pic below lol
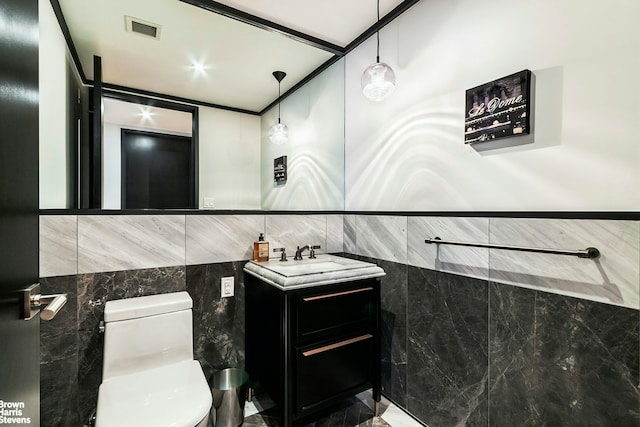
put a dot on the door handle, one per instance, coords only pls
(337, 294)
(32, 301)
(336, 345)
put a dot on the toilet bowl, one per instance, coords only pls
(149, 377)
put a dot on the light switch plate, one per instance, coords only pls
(207, 202)
(226, 287)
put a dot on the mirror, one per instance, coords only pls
(235, 157)
(148, 156)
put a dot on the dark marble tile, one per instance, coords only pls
(59, 393)
(351, 412)
(90, 346)
(557, 360)
(393, 301)
(95, 289)
(59, 336)
(218, 323)
(447, 350)
(59, 357)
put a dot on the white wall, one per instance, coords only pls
(407, 153)
(314, 115)
(53, 111)
(229, 151)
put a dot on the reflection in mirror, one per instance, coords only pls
(147, 156)
(235, 164)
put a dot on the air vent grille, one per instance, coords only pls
(142, 27)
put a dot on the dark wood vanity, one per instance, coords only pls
(313, 346)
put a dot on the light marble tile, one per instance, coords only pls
(126, 242)
(462, 260)
(349, 231)
(382, 237)
(614, 277)
(291, 231)
(222, 238)
(335, 233)
(58, 245)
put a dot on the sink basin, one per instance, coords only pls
(322, 270)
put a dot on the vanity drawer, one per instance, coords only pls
(329, 370)
(338, 310)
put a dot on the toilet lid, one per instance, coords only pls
(176, 395)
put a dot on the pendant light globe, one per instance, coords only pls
(378, 81)
(278, 132)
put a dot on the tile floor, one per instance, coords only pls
(357, 411)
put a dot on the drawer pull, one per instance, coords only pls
(337, 294)
(336, 345)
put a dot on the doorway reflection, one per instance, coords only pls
(121, 116)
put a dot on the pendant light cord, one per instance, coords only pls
(278, 102)
(378, 35)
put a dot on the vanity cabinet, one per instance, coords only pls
(312, 347)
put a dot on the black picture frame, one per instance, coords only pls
(280, 170)
(498, 109)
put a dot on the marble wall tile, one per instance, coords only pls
(58, 245)
(393, 301)
(218, 323)
(127, 242)
(59, 357)
(558, 360)
(291, 231)
(335, 234)
(612, 278)
(59, 394)
(447, 358)
(382, 237)
(222, 238)
(349, 231)
(467, 261)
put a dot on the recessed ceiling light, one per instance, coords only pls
(146, 114)
(199, 67)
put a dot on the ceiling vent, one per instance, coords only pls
(143, 28)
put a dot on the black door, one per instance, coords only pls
(157, 171)
(19, 339)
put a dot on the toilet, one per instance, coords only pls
(149, 376)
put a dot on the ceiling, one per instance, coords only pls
(214, 58)
(153, 118)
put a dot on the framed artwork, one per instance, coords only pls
(280, 170)
(498, 109)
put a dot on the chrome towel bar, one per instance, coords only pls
(590, 252)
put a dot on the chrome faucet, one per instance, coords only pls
(300, 250)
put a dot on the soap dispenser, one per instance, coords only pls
(261, 249)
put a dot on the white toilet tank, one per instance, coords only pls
(147, 332)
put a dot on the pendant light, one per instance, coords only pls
(378, 80)
(278, 132)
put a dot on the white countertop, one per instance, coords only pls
(323, 270)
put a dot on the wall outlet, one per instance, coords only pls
(207, 202)
(226, 287)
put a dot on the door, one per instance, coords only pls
(19, 339)
(157, 171)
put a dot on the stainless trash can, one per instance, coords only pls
(229, 389)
